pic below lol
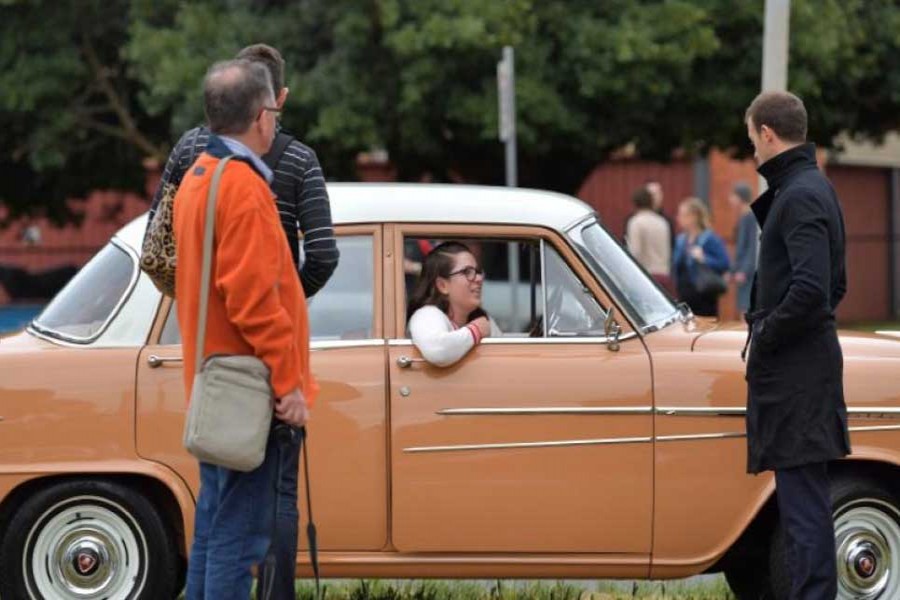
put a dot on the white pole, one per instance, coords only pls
(775, 51)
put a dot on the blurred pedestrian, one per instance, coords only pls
(649, 240)
(796, 416)
(700, 260)
(746, 235)
(654, 187)
(255, 307)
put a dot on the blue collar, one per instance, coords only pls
(221, 146)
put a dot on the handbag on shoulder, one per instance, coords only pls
(158, 249)
(231, 404)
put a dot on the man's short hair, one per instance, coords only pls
(641, 198)
(271, 59)
(782, 112)
(234, 91)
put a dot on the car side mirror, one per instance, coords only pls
(613, 330)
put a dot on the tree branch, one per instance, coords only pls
(129, 130)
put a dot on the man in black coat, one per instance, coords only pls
(796, 416)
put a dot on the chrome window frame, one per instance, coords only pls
(624, 307)
(53, 335)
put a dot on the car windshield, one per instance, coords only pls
(81, 311)
(625, 279)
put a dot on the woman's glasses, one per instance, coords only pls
(470, 273)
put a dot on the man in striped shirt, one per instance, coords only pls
(299, 185)
(302, 200)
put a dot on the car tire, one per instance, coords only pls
(867, 541)
(73, 537)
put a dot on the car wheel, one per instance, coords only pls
(86, 540)
(867, 541)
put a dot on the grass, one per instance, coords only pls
(871, 326)
(705, 588)
(374, 589)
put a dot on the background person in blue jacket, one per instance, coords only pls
(696, 248)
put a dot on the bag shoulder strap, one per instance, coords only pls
(279, 145)
(205, 276)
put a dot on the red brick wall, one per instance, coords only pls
(865, 198)
(609, 187)
(105, 212)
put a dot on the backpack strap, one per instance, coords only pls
(279, 145)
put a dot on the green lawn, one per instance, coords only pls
(706, 588)
(871, 326)
(702, 588)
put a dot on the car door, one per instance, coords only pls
(348, 461)
(528, 444)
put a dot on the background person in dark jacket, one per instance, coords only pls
(697, 247)
(796, 417)
(746, 245)
(302, 202)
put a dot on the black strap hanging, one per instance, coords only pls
(311, 526)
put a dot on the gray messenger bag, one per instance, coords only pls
(231, 400)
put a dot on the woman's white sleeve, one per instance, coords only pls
(440, 347)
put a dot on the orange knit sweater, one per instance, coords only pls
(256, 303)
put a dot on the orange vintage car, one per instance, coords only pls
(602, 436)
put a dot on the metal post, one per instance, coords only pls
(506, 87)
(775, 45)
(775, 51)
(506, 95)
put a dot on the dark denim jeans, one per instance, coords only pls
(283, 551)
(233, 527)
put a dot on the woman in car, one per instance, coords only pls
(444, 314)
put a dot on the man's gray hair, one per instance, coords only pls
(234, 91)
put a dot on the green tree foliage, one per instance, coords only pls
(90, 88)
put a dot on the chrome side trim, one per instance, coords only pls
(700, 436)
(514, 445)
(700, 411)
(875, 428)
(549, 410)
(332, 344)
(863, 412)
(729, 411)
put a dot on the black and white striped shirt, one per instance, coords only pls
(302, 202)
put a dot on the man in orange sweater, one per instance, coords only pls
(256, 306)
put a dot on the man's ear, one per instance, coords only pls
(282, 97)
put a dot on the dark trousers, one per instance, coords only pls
(282, 554)
(805, 507)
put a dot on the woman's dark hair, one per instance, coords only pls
(439, 263)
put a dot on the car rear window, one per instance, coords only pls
(83, 309)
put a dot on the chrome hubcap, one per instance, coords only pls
(85, 551)
(868, 550)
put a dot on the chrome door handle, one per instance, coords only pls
(405, 362)
(157, 361)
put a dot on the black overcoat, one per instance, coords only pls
(795, 409)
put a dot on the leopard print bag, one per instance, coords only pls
(158, 250)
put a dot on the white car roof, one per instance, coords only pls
(353, 203)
